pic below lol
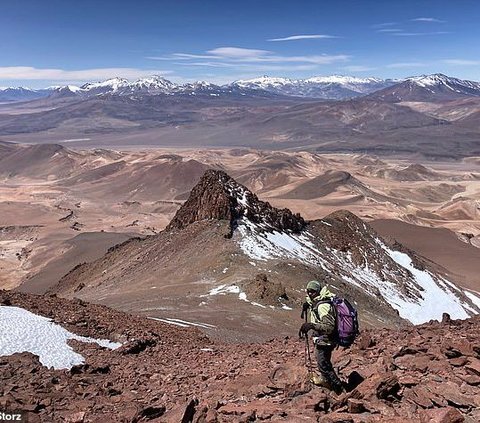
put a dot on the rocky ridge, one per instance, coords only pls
(225, 236)
(218, 196)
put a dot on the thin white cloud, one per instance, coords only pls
(209, 64)
(303, 37)
(434, 20)
(221, 53)
(390, 30)
(250, 67)
(418, 34)
(185, 56)
(462, 62)
(406, 65)
(31, 73)
(385, 24)
(244, 55)
(238, 53)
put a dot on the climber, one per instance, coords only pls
(320, 318)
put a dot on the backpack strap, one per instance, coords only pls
(335, 315)
(326, 301)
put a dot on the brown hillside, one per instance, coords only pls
(428, 373)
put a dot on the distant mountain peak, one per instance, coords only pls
(218, 196)
(112, 83)
(263, 81)
(434, 87)
(327, 87)
(342, 79)
(153, 81)
(439, 79)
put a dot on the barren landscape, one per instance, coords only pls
(234, 212)
(54, 200)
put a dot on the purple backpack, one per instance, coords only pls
(346, 320)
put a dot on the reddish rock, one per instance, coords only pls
(337, 418)
(364, 342)
(232, 384)
(419, 396)
(453, 348)
(136, 346)
(388, 387)
(408, 350)
(441, 415)
(409, 380)
(458, 362)
(446, 318)
(452, 394)
(355, 406)
(315, 401)
(473, 367)
(217, 196)
(418, 363)
(77, 417)
(472, 380)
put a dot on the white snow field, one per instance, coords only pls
(23, 331)
(424, 297)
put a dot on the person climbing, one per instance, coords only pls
(320, 318)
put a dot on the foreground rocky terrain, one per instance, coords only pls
(427, 373)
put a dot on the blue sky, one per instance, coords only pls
(65, 41)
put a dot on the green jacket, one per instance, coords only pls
(325, 322)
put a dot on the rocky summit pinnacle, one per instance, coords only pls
(218, 196)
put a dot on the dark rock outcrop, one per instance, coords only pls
(218, 196)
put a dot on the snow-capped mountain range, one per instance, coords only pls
(326, 87)
(426, 87)
(335, 87)
(12, 94)
(155, 85)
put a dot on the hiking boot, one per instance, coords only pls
(335, 383)
(337, 388)
(319, 380)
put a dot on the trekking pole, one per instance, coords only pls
(307, 343)
(307, 355)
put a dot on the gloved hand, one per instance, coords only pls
(305, 328)
(305, 308)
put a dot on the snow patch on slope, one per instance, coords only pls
(261, 244)
(419, 297)
(183, 323)
(474, 298)
(23, 331)
(435, 297)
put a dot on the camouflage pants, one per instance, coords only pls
(323, 354)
